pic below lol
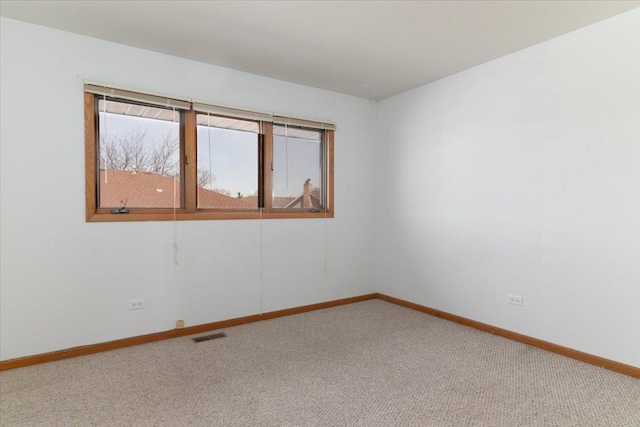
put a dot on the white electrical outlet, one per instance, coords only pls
(136, 304)
(515, 299)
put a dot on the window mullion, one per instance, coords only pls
(330, 136)
(92, 166)
(267, 187)
(261, 169)
(190, 160)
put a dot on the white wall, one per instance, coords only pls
(519, 176)
(522, 176)
(66, 283)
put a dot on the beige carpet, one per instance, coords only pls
(365, 364)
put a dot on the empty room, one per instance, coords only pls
(320, 213)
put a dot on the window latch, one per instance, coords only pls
(121, 209)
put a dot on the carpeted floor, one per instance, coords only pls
(366, 364)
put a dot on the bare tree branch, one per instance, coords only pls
(205, 178)
(137, 151)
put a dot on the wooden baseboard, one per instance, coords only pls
(535, 342)
(190, 330)
(174, 333)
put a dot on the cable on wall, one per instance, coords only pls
(260, 208)
(326, 202)
(286, 154)
(209, 144)
(325, 243)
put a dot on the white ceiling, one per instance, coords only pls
(371, 49)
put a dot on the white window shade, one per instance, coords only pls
(146, 98)
(222, 122)
(291, 121)
(186, 104)
(232, 112)
(136, 110)
(297, 132)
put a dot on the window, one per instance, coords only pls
(227, 163)
(298, 167)
(139, 149)
(155, 158)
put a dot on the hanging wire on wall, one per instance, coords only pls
(323, 195)
(286, 153)
(209, 144)
(261, 263)
(325, 242)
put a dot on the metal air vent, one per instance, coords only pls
(209, 337)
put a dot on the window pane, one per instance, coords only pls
(139, 156)
(227, 163)
(297, 168)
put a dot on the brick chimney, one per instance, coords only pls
(306, 194)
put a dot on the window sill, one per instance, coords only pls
(205, 215)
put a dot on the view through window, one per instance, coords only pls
(298, 159)
(227, 163)
(139, 152)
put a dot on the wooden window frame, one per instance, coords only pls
(188, 166)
